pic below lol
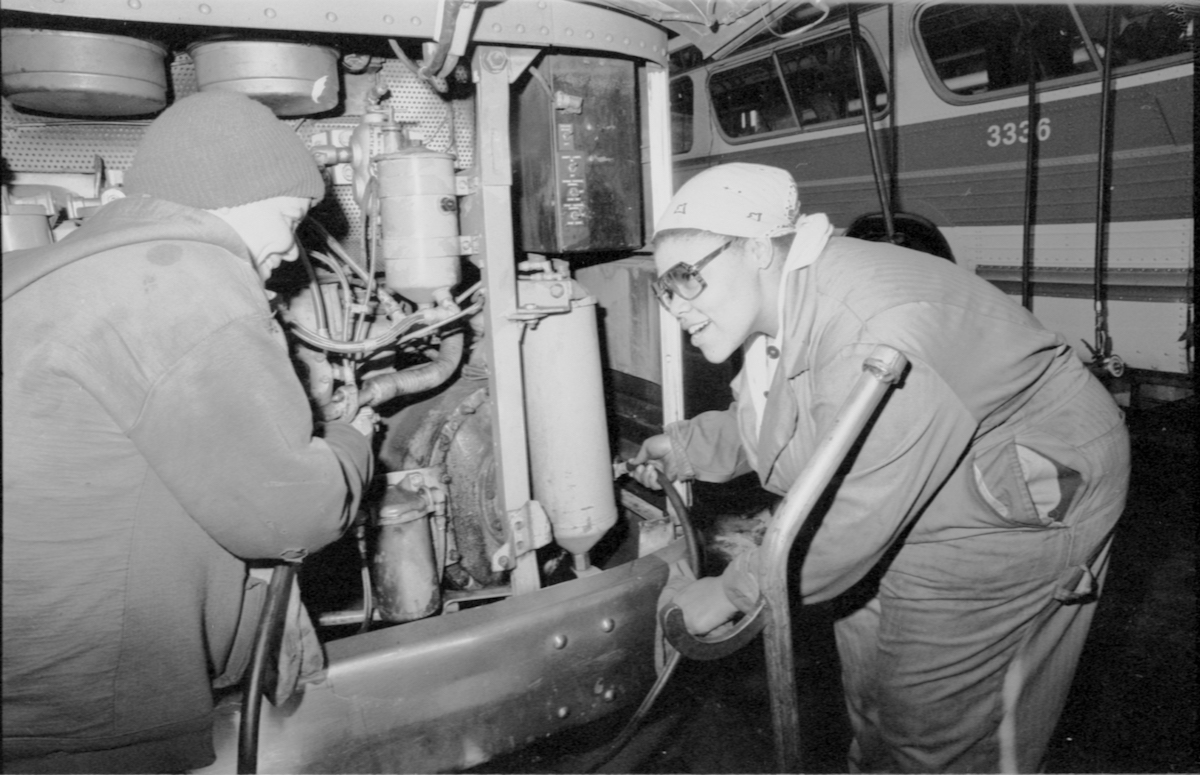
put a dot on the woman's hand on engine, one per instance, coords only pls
(364, 421)
(655, 458)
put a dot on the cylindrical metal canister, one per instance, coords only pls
(83, 73)
(24, 227)
(418, 212)
(404, 571)
(292, 79)
(570, 462)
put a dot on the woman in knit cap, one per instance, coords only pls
(156, 438)
(976, 516)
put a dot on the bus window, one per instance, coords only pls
(821, 80)
(749, 99)
(1143, 33)
(977, 49)
(682, 111)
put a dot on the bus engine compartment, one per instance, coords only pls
(497, 587)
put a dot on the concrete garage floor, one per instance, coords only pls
(1132, 707)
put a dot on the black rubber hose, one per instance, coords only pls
(415, 379)
(695, 559)
(266, 642)
(1031, 154)
(1103, 189)
(635, 721)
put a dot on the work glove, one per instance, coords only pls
(659, 455)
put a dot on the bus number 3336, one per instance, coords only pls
(1010, 133)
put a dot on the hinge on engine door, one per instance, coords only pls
(528, 529)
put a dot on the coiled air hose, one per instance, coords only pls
(635, 721)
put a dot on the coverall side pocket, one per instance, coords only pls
(1024, 487)
(254, 596)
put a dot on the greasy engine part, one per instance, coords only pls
(454, 430)
(406, 565)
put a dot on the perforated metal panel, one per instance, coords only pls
(36, 144)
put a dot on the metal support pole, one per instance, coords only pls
(880, 371)
(491, 211)
(860, 75)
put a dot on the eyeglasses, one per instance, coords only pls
(684, 279)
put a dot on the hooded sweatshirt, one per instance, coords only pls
(156, 437)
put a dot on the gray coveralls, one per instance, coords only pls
(998, 466)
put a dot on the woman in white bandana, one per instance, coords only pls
(986, 489)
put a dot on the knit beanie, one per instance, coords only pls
(219, 149)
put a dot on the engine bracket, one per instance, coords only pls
(528, 529)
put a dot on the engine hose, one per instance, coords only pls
(416, 379)
(635, 721)
(266, 641)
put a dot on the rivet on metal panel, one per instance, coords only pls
(589, 34)
(560, 641)
(570, 33)
(544, 30)
(331, 17)
(389, 19)
(204, 8)
(135, 4)
(496, 28)
(415, 21)
(608, 625)
(521, 29)
(564, 711)
(269, 13)
(608, 37)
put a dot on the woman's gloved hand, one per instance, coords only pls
(705, 606)
(657, 456)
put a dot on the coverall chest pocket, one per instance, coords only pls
(1025, 487)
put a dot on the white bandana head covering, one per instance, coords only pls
(748, 200)
(737, 200)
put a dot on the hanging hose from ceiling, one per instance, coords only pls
(1103, 359)
(1031, 154)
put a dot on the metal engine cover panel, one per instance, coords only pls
(454, 691)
